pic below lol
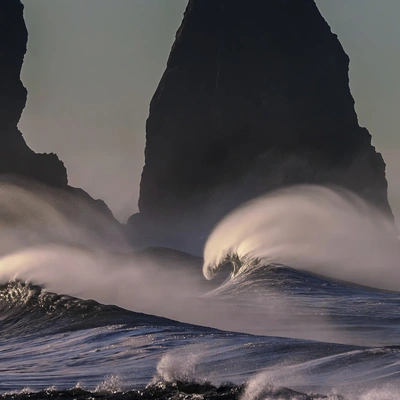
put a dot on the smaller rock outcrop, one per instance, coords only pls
(17, 161)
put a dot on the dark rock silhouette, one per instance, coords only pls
(15, 156)
(17, 160)
(255, 97)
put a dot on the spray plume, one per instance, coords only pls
(324, 230)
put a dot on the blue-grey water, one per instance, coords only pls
(81, 320)
(60, 342)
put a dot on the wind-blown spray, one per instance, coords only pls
(85, 256)
(324, 230)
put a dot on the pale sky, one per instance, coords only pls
(93, 65)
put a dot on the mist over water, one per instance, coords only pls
(57, 241)
(32, 215)
(87, 258)
(324, 230)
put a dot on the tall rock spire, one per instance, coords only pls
(255, 97)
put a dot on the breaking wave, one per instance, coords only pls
(53, 338)
(24, 306)
(323, 230)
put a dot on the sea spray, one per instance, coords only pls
(324, 230)
(112, 384)
(175, 366)
(73, 259)
(85, 256)
(43, 246)
(384, 392)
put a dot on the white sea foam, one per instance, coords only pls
(111, 384)
(178, 366)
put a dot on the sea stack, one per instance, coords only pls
(16, 158)
(255, 97)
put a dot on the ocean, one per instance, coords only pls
(304, 304)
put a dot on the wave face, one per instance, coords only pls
(56, 345)
(84, 316)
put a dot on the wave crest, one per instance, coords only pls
(324, 230)
(237, 263)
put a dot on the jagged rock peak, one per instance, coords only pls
(255, 96)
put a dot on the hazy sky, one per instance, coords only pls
(93, 65)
